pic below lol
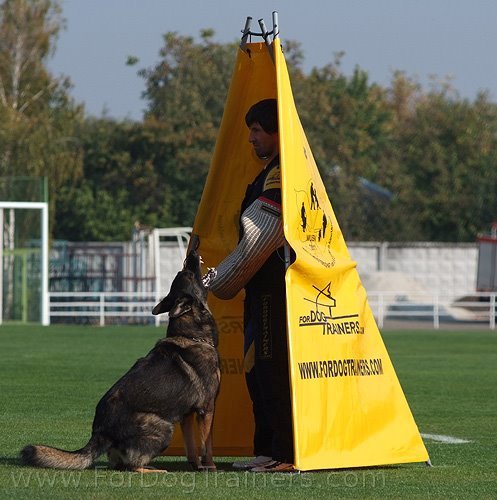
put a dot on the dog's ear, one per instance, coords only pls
(181, 306)
(163, 306)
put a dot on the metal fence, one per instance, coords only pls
(435, 308)
(104, 308)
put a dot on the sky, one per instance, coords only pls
(423, 38)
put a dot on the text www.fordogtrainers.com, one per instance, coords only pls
(101, 479)
(329, 368)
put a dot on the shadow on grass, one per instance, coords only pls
(178, 465)
(183, 466)
(169, 465)
(12, 461)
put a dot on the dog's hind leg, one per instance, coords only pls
(115, 459)
(205, 421)
(138, 455)
(141, 449)
(188, 430)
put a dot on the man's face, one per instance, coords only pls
(265, 145)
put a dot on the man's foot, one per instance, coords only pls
(207, 467)
(254, 462)
(274, 466)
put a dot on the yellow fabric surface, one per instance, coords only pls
(234, 165)
(348, 406)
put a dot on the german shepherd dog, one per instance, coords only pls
(176, 381)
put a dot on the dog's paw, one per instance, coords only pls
(147, 470)
(194, 465)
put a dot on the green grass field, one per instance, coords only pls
(51, 379)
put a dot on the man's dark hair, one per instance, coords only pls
(265, 113)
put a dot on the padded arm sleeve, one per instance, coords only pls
(262, 235)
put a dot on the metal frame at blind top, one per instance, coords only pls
(267, 36)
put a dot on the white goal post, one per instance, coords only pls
(167, 264)
(29, 205)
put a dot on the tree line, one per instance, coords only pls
(400, 162)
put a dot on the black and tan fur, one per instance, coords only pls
(177, 381)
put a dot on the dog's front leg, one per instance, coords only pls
(188, 430)
(205, 422)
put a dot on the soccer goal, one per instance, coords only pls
(24, 262)
(168, 247)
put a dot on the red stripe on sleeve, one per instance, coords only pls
(270, 202)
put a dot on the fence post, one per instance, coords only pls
(102, 309)
(492, 311)
(436, 312)
(380, 310)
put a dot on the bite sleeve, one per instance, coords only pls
(262, 235)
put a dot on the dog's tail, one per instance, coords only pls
(46, 456)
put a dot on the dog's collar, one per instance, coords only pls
(193, 339)
(205, 341)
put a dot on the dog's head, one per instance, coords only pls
(186, 287)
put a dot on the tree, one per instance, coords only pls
(39, 120)
(447, 147)
(119, 185)
(348, 123)
(434, 152)
(186, 91)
